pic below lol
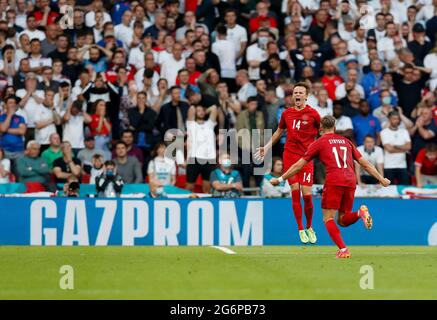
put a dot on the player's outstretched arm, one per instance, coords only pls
(295, 168)
(374, 172)
(261, 151)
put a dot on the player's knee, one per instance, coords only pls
(328, 216)
(340, 221)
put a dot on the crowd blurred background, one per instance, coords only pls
(88, 95)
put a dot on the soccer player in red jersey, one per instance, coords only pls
(302, 125)
(337, 153)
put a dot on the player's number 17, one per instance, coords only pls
(337, 158)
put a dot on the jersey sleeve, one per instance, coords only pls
(419, 159)
(282, 124)
(312, 151)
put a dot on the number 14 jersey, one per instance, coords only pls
(302, 128)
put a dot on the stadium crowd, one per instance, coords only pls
(91, 95)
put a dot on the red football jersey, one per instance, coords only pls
(337, 153)
(427, 166)
(331, 85)
(302, 128)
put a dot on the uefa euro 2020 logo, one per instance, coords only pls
(66, 21)
(367, 17)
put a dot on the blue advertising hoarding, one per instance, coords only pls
(88, 221)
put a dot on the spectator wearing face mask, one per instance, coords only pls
(386, 107)
(225, 181)
(109, 184)
(256, 53)
(161, 171)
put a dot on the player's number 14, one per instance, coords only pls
(337, 158)
(296, 124)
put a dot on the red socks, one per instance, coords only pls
(349, 218)
(297, 208)
(334, 233)
(308, 208)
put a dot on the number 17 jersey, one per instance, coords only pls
(302, 128)
(337, 153)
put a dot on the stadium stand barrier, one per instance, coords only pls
(244, 222)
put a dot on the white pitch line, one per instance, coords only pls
(328, 253)
(224, 249)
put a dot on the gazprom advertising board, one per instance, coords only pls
(174, 222)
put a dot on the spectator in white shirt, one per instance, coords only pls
(236, 33)
(9, 64)
(97, 167)
(5, 167)
(391, 42)
(348, 32)
(225, 50)
(21, 10)
(32, 30)
(46, 119)
(74, 119)
(201, 144)
(31, 98)
(98, 27)
(123, 31)
(161, 171)
(396, 142)
(247, 89)
(430, 62)
(257, 53)
(358, 45)
(350, 84)
(172, 65)
(324, 104)
(90, 17)
(36, 59)
(136, 55)
(375, 155)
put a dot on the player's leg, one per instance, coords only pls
(306, 181)
(297, 210)
(288, 160)
(309, 209)
(331, 200)
(346, 217)
(334, 232)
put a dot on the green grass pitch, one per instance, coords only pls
(281, 272)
